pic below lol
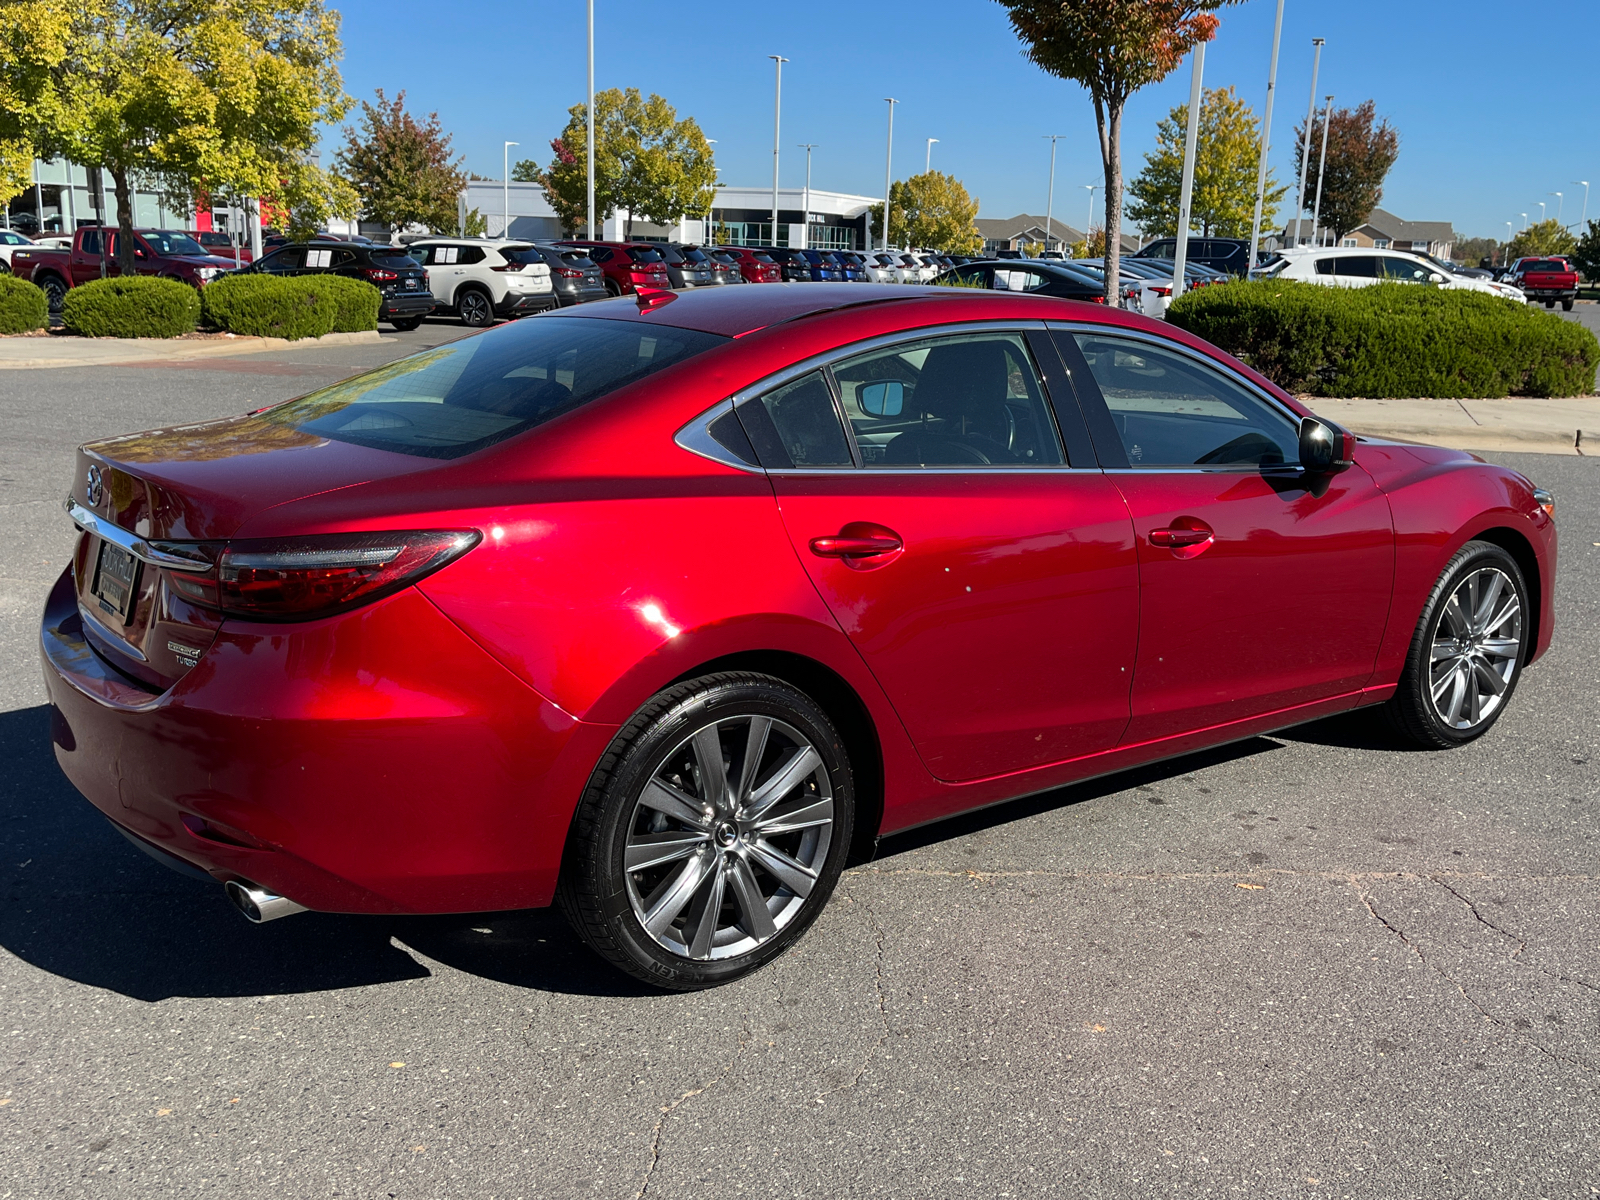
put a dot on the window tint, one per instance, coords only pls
(966, 401)
(1160, 250)
(1324, 265)
(396, 261)
(600, 254)
(1405, 270)
(424, 255)
(1172, 411)
(90, 242)
(469, 394)
(1543, 266)
(644, 256)
(524, 255)
(1362, 266)
(165, 242)
(805, 424)
(290, 258)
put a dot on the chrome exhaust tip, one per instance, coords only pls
(257, 904)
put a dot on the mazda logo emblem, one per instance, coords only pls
(94, 488)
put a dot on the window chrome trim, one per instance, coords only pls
(972, 470)
(695, 437)
(157, 554)
(104, 632)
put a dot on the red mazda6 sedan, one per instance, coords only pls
(662, 607)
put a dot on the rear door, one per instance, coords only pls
(987, 579)
(1259, 590)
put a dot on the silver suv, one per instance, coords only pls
(480, 280)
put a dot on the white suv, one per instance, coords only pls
(1361, 267)
(480, 280)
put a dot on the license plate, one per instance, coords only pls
(114, 573)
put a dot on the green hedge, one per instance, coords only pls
(22, 306)
(138, 306)
(1392, 340)
(293, 307)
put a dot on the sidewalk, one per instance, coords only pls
(1521, 425)
(25, 353)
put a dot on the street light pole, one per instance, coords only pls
(1541, 211)
(777, 113)
(1305, 141)
(1266, 142)
(1322, 164)
(505, 188)
(1583, 221)
(1524, 221)
(1509, 237)
(706, 232)
(888, 173)
(1092, 187)
(805, 217)
(1186, 191)
(1559, 203)
(1050, 196)
(589, 132)
(928, 162)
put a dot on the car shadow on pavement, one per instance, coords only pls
(81, 903)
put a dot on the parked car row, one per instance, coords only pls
(1362, 267)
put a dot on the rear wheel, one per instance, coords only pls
(55, 292)
(613, 288)
(712, 832)
(1467, 653)
(1566, 306)
(475, 308)
(1549, 303)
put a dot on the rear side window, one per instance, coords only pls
(464, 396)
(423, 254)
(797, 425)
(1360, 266)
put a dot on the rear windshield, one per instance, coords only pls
(644, 256)
(521, 254)
(393, 260)
(695, 256)
(1543, 266)
(762, 256)
(576, 258)
(469, 394)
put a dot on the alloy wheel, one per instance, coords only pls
(475, 309)
(728, 837)
(1477, 644)
(55, 294)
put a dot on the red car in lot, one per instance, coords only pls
(661, 608)
(756, 265)
(627, 266)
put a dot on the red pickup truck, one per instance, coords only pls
(165, 252)
(1548, 279)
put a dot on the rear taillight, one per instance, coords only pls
(379, 275)
(296, 579)
(569, 272)
(506, 267)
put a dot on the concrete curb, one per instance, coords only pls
(18, 354)
(1568, 425)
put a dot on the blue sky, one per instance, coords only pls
(1482, 139)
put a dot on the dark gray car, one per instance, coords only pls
(688, 266)
(574, 275)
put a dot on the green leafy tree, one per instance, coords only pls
(190, 96)
(1545, 237)
(401, 168)
(474, 226)
(646, 161)
(1361, 149)
(1091, 246)
(931, 211)
(1113, 48)
(1471, 251)
(1586, 254)
(1227, 150)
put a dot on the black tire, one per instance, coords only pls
(1566, 306)
(406, 324)
(55, 293)
(613, 288)
(1549, 303)
(475, 308)
(1412, 712)
(603, 901)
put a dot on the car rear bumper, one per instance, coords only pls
(407, 304)
(517, 304)
(375, 762)
(581, 295)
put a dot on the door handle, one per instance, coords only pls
(1174, 538)
(840, 545)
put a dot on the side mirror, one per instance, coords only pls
(1325, 449)
(1435, 277)
(884, 399)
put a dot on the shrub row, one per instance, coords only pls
(1392, 340)
(295, 306)
(22, 306)
(135, 306)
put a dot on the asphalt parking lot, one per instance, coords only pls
(1307, 964)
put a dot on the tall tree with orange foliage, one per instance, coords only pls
(1113, 48)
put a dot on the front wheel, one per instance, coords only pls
(55, 293)
(712, 832)
(1467, 653)
(406, 324)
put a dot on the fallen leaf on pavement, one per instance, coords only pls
(1252, 887)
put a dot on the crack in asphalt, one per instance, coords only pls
(668, 1109)
(1522, 943)
(1552, 1055)
(883, 1013)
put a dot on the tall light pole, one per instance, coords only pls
(1559, 203)
(1186, 191)
(1541, 211)
(1305, 141)
(505, 188)
(777, 113)
(1524, 220)
(1509, 236)
(927, 164)
(589, 133)
(888, 172)
(805, 217)
(1583, 221)
(706, 239)
(1322, 164)
(1092, 188)
(1266, 142)
(1050, 196)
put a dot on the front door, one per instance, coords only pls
(1259, 590)
(990, 586)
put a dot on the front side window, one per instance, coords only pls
(971, 400)
(1173, 411)
(1405, 270)
(466, 395)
